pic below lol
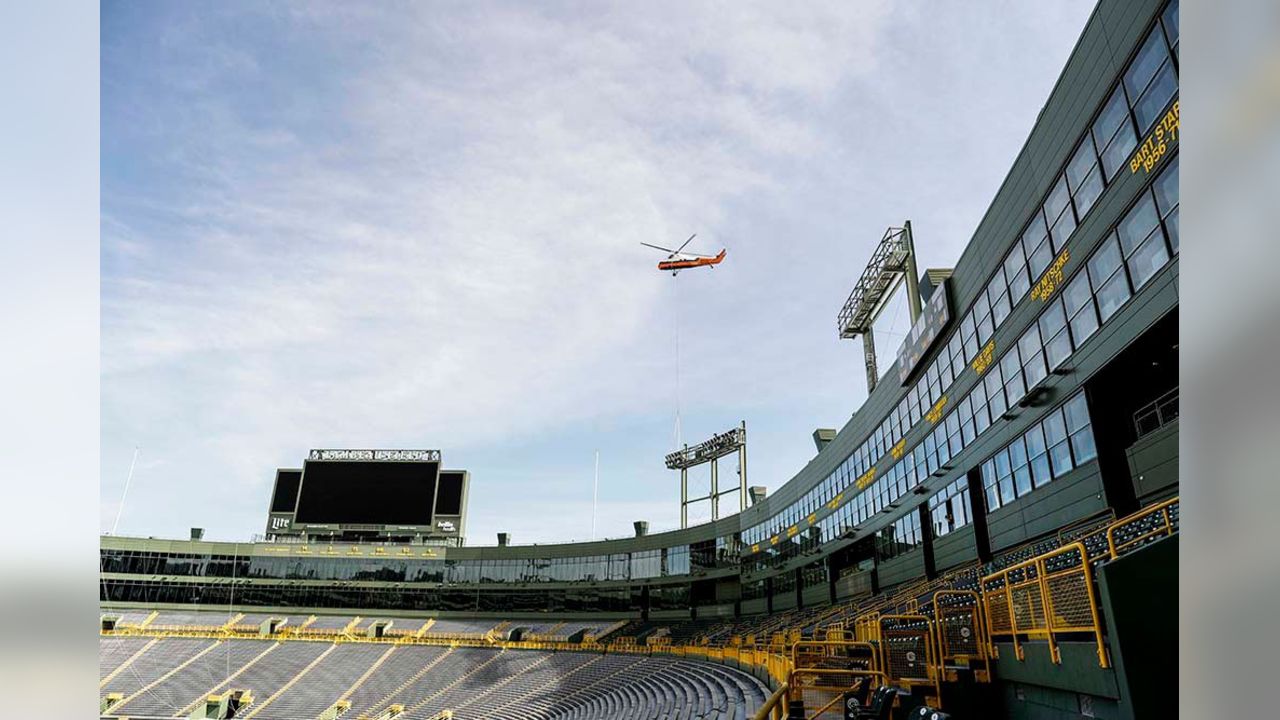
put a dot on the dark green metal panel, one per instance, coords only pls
(1139, 597)
(1153, 462)
(1079, 671)
(905, 569)
(1033, 702)
(954, 548)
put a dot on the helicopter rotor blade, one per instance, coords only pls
(686, 242)
(659, 247)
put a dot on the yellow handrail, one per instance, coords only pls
(1165, 528)
(1044, 603)
(773, 708)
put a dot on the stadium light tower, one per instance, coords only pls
(710, 451)
(893, 261)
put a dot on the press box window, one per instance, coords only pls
(1142, 241)
(1107, 275)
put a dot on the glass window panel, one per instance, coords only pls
(981, 306)
(1052, 319)
(1034, 439)
(1112, 295)
(1082, 164)
(995, 396)
(1138, 223)
(969, 334)
(1060, 458)
(1007, 493)
(985, 329)
(1104, 262)
(1088, 192)
(1057, 349)
(1017, 453)
(1029, 344)
(1063, 229)
(1171, 224)
(1083, 324)
(1077, 293)
(1015, 273)
(1166, 190)
(1035, 232)
(1170, 19)
(1033, 368)
(1055, 429)
(1040, 473)
(1082, 446)
(1151, 105)
(966, 421)
(1039, 259)
(1145, 64)
(981, 420)
(1022, 480)
(1002, 463)
(1010, 366)
(1166, 187)
(1005, 474)
(1058, 200)
(999, 299)
(1148, 259)
(1076, 412)
(1114, 114)
(1116, 154)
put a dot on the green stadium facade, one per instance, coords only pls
(1048, 404)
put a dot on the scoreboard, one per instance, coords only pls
(369, 495)
(928, 328)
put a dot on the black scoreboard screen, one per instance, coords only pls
(932, 321)
(449, 499)
(285, 496)
(364, 492)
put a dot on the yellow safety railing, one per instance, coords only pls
(866, 627)
(821, 690)
(1045, 597)
(1160, 518)
(775, 708)
(962, 632)
(909, 651)
(848, 654)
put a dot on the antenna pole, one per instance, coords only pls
(595, 496)
(125, 494)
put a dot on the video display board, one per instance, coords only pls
(928, 328)
(367, 493)
(285, 496)
(449, 496)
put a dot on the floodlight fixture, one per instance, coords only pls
(892, 263)
(710, 451)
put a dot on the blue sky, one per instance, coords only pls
(418, 225)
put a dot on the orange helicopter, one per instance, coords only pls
(679, 260)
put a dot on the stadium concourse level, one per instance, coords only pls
(902, 651)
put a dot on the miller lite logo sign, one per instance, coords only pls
(446, 526)
(279, 523)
